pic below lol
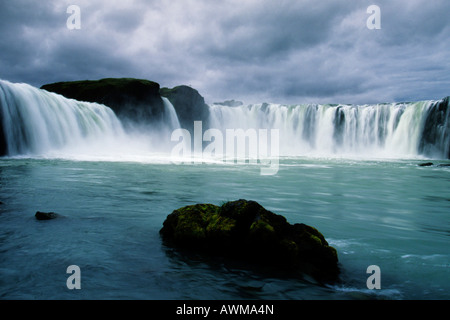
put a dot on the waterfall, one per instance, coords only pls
(397, 130)
(171, 115)
(36, 121)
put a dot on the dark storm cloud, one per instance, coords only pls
(262, 36)
(37, 47)
(275, 51)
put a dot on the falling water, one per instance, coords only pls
(382, 130)
(35, 121)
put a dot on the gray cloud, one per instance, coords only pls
(275, 51)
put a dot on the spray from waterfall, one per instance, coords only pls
(34, 122)
(394, 130)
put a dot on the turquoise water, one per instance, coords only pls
(393, 214)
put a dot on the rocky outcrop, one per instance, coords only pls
(245, 230)
(189, 105)
(430, 164)
(425, 164)
(46, 215)
(339, 126)
(137, 100)
(131, 99)
(436, 131)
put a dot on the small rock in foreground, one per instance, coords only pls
(46, 215)
(245, 230)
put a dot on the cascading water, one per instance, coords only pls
(172, 121)
(37, 122)
(383, 130)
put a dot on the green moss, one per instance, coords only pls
(190, 222)
(189, 230)
(316, 239)
(261, 226)
(218, 225)
(199, 213)
(244, 229)
(165, 92)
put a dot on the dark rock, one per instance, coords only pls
(426, 164)
(3, 144)
(46, 215)
(137, 100)
(444, 165)
(435, 139)
(131, 99)
(339, 126)
(245, 230)
(189, 105)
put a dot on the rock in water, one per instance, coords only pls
(46, 215)
(245, 230)
(425, 164)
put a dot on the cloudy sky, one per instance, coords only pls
(284, 51)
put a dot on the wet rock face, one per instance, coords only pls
(46, 215)
(245, 230)
(435, 138)
(190, 106)
(131, 99)
(137, 100)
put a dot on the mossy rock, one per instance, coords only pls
(245, 230)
